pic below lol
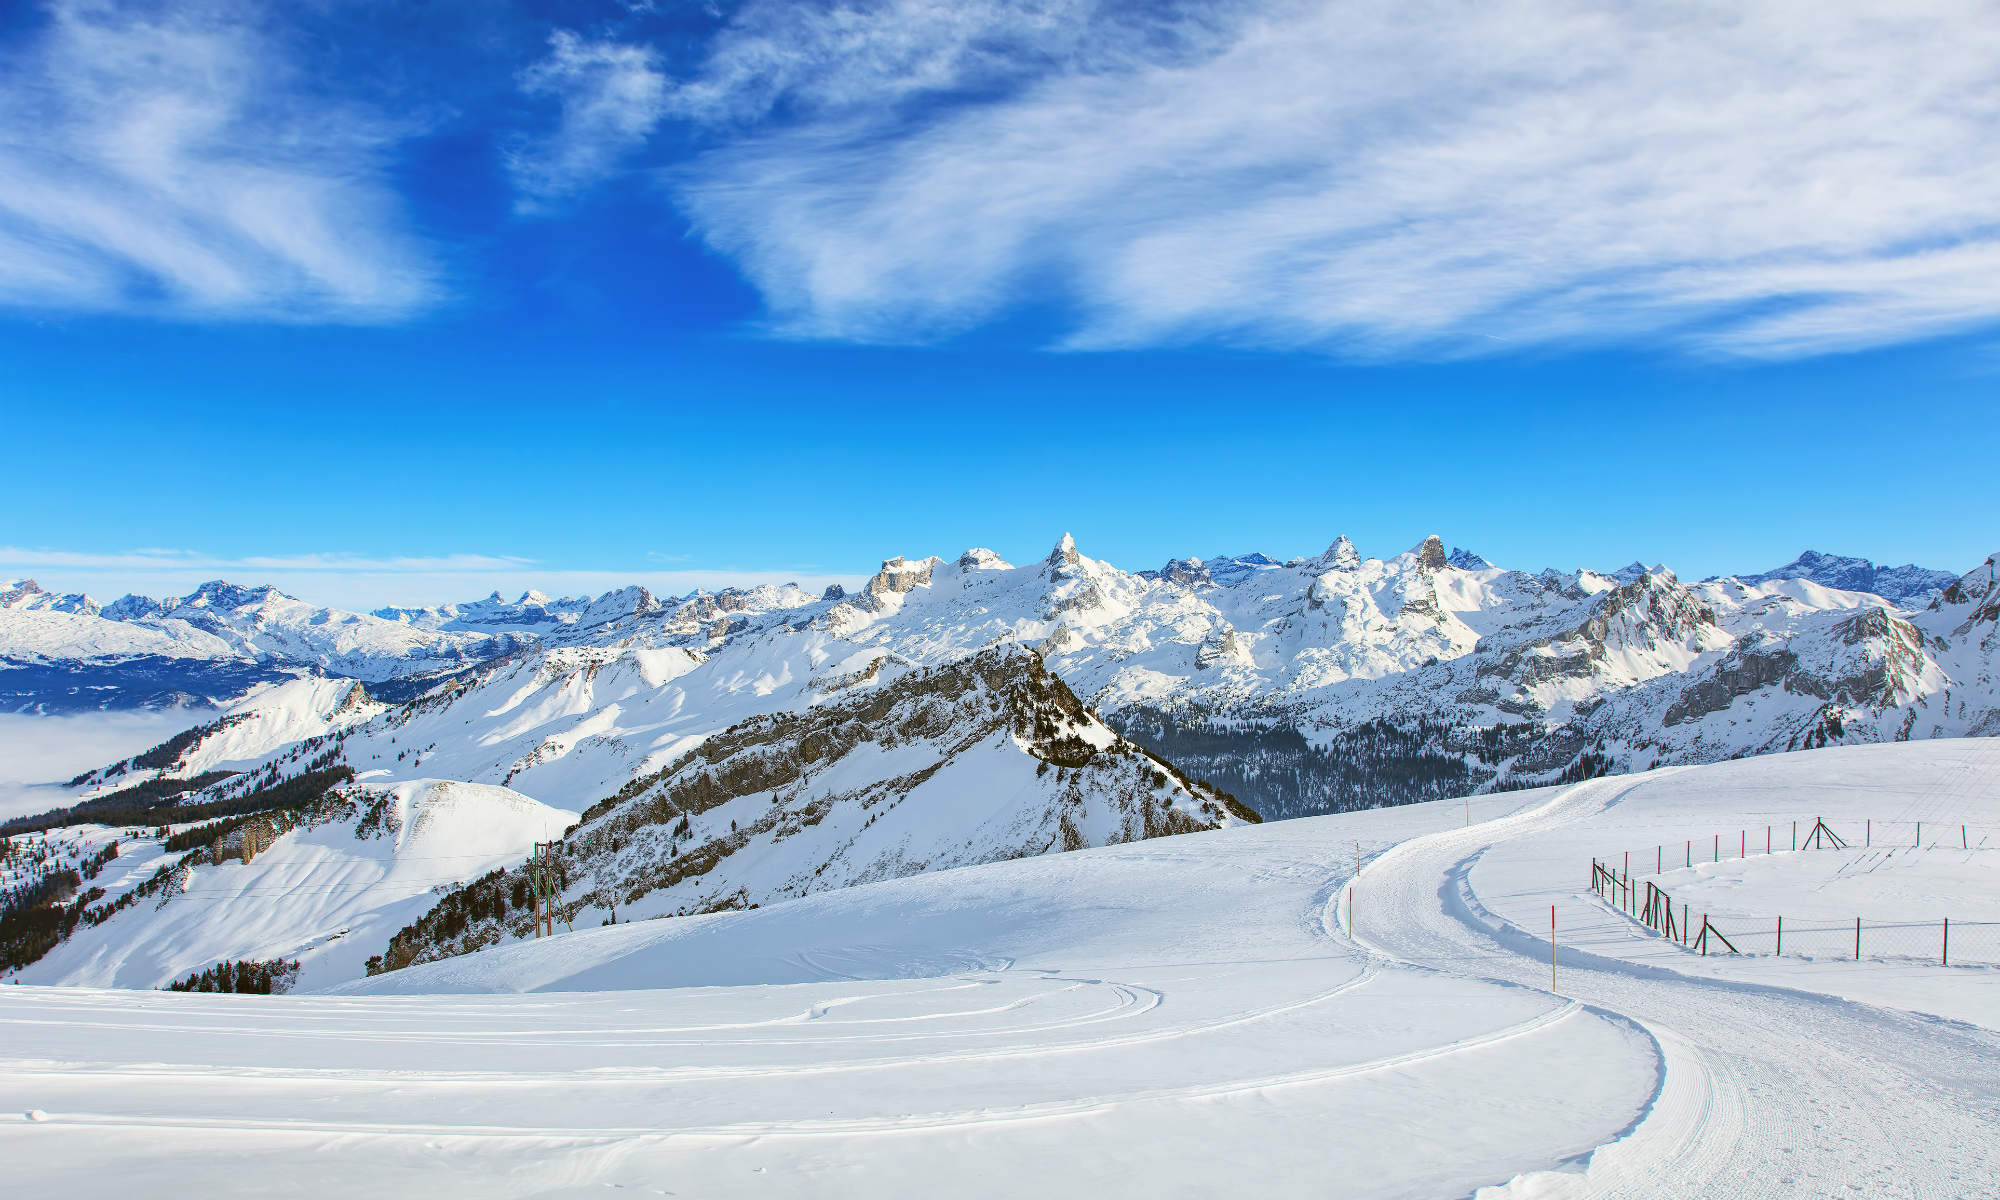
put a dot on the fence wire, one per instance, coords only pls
(1619, 880)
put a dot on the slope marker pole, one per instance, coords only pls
(1944, 956)
(1552, 947)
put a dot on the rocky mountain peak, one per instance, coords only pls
(1187, 572)
(1341, 554)
(979, 558)
(897, 577)
(1065, 553)
(1430, 554)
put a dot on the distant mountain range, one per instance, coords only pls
(66, 652)
(1908, 583)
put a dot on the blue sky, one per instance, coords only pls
(400, 303)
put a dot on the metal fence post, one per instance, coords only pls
(1944, 955)
(1795, 835)
(1857, 939)
(1781, 938)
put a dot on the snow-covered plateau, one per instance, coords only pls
(1236, 1010)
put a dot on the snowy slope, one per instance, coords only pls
(325, 893)
(1223, 1013)
(913, 771)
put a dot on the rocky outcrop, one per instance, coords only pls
(898, 577)
(1744, 670)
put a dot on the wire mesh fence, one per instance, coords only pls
(1942, 941)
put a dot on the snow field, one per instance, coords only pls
(1180, 1017)
(1170, 1017)
(325, 895)
(1819, 892)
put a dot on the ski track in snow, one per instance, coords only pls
(1186, 1017)
(1767, 1091)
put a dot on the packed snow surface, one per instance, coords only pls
(1232, 1012)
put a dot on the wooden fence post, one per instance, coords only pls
(1781, 938)
(1857, 939)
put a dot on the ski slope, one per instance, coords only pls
(1187, 1016)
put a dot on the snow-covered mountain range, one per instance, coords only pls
(67, 652)
(732, 748)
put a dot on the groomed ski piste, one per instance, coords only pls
(1226, 1013)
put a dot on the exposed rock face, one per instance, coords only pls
(1745, 670)
(1064, 555)
(1430, 554)
(1188, 572)
(898, 577)
(833, 592)
(1220, 649)
(979, 558)
(1466, 560)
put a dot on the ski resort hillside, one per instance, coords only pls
(1102, 1020)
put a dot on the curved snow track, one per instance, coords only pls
(1185, 1017)
(1766, 1091)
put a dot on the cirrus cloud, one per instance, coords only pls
(1373, 178)
(166, 160)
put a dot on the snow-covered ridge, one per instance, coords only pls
(1523, 676)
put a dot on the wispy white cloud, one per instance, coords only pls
(364, 582)
(609, 95)
(165, 159)
(1372, 177)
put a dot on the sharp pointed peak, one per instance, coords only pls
(1341, 553)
